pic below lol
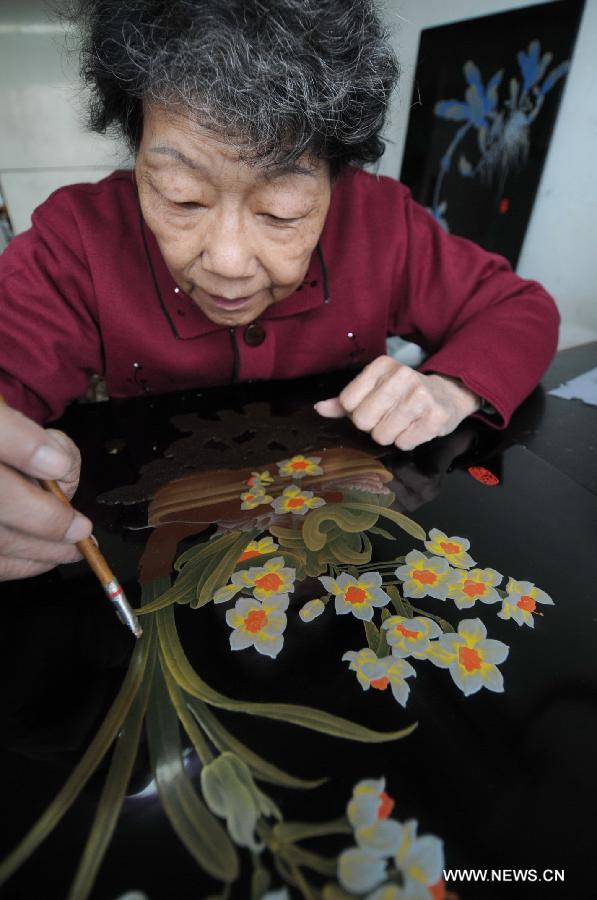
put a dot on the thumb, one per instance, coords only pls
(330, 409)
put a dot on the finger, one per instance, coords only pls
(389, 394)
(70, 480)
(25, 446)
(26, 508)
(330, 409)
(366, 381)
(416, 434)
(20, 546)
(11, 569)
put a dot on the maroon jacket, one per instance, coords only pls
(85, 291)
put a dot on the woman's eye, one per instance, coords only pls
(188, 204)
(280, 220)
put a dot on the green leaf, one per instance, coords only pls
(300, 857)
(218, 570)
(383, 533)
(187, 721)
(314, 719)
(409, 525)
(185, 586)
(372, 634)
(224, 741)
(334, 892)
(350, 517)
(199, 830)
(291, 832)
(91, 758)
(119, 773)
(402, 606)
(260, 881)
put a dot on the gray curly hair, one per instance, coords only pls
(278, 77)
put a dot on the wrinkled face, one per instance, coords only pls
(235, 237)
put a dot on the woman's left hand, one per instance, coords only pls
(398, 405)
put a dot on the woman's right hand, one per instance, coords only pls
(37, 531)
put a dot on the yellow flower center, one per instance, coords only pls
(255, 621)
(469, 659)
(407, 634)
(355, 595)
(269, 582)
(248, 554)
(386, 805)
(425, 576)
(473, 588)
(447, 547)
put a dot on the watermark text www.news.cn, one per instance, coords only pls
(453, 876)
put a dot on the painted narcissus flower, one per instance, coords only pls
(255, 497)
(368, 812)
(454, 549)
(424, 576)
(470, 657)
(521, 602)
(466, 587)
(358, 596)
(273, 579)
(259, 625)
(297, 502)
(259, 479)
(410, 637)
(300, 465)
(311, 610)
(258, 548)
(381, 672)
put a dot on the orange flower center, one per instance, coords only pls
(469, 659)
(447, 547)
(386, 805)
(269, 582)
(248, 554)
(380, 684)
(295, 502)
(527, 603)
(355, 595)
(472, 588)
(425, 576)
(301, 464)
(407, 633)
(255, 621)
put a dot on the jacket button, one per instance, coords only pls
(254, 334)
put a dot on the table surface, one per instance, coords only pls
(506, 780)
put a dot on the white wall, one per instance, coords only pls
(560, 249)
(43, 143)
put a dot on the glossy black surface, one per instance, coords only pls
(506, 780)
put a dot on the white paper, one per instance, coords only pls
(583, 387)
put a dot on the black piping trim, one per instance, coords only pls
(324, 275)
(236, 355)
(155, 280)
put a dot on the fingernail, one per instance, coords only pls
(78, 530)
(47, 462)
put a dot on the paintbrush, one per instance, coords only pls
(89, 549)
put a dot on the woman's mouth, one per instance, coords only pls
(230, 303)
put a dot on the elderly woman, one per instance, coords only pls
(246, 244)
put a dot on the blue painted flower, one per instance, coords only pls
(479, 102)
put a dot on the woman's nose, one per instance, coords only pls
(229, 247)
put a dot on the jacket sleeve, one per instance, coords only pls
(476, 319)
(49, 337)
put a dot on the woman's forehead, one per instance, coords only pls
(171, 140)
